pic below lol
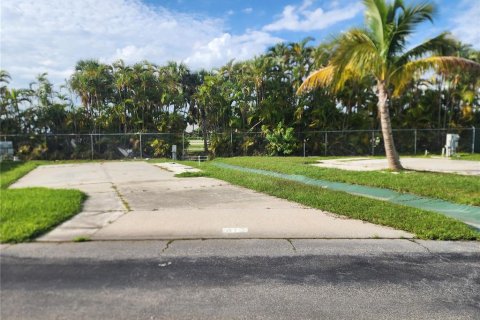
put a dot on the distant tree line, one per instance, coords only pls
(244, 96)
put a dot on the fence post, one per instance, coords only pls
(415, 143)
(231, 143)
(473, 139)
(372, 143)
(326, 141)
(141, 151)
(183, 145)
(91, 144)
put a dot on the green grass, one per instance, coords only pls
(82, 239)
(449, 187)
(468, 156)
(195, 145)
(424, 224)
(191, 174)
(26, 213)
(11, 171)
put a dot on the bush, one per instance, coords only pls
(281, 140)
(220, 145)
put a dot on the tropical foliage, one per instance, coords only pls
(258, 94)
(378, 53)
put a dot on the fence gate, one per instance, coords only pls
(194, 145)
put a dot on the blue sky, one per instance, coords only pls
(52, 35)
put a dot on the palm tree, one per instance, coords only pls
(378, 52)
(14, 98)
(4, 81)
(93, 82)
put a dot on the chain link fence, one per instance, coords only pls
(227, 144)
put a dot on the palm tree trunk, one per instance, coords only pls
(390, 151)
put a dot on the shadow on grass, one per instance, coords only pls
(8, 165)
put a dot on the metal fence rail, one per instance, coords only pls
(156, 145)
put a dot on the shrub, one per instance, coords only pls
(281, 140)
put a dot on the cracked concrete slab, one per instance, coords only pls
(165, 207)
(288, 222)
(103, 201)
(103, 205)
(450, 246)
(93, 219)
(153, 249)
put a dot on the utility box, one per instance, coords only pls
(6, 150)
(451, 144)
(174, 152)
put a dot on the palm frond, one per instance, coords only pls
(393, 10)
(320, 78)
(356, 50)
(404, 23)
(354, 57)
(443, 44)
(442, 65)
(375, 16)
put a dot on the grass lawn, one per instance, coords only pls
(450, 187)
(468, 156)
(12, 171)
(29, 212)
(424, 224)
(195, 145)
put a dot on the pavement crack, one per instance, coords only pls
(429, 251)
(421, 245)
(167, 246)
(124, 202)
(291, 243)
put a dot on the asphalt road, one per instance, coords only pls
(322, 279)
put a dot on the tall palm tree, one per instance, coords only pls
(15, 99)
(378, 52)
(4, 81)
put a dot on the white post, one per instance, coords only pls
(372, 143)
(473, 139)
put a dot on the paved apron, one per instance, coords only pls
(138, 200)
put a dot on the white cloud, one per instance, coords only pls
(52, 35)
(466, 24)
(306, 18)
(247, 10)
(227, 47)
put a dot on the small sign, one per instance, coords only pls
(235, 230)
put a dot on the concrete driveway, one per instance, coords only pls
(470, 168)
(138, 200)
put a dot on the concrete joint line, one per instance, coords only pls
(122, 199)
